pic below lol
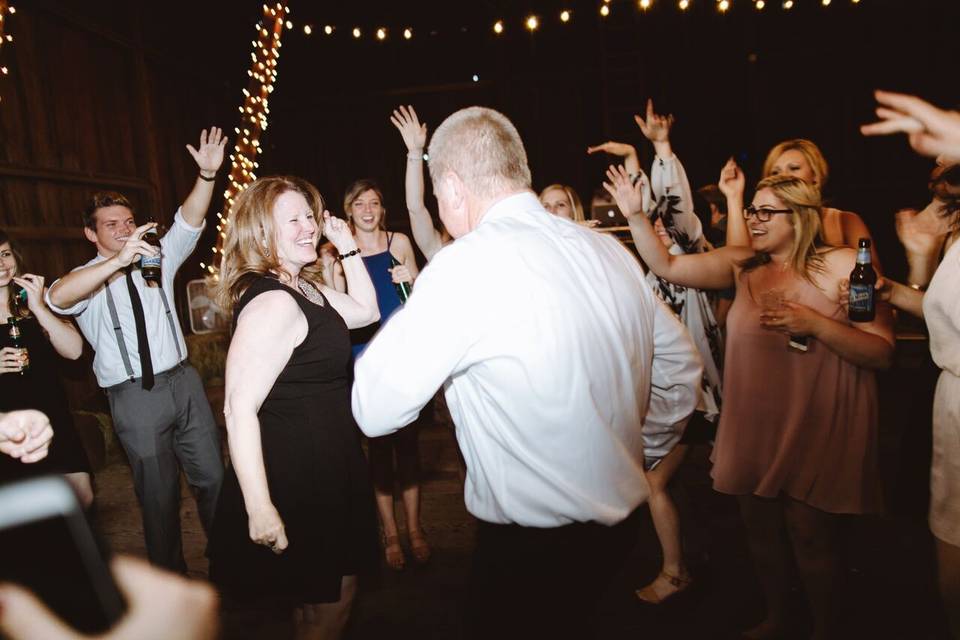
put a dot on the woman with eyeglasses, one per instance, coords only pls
(803, 159)
(797, 441)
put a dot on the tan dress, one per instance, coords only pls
(800, 424)
(941, 309)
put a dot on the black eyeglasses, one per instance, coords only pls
(763, 214)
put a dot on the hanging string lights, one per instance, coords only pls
(254, 113)
(6, 40)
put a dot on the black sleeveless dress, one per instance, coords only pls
(316, 473)
(40, 388)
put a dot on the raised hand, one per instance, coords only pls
(414, 134)
(655, 128)
(209, 156)
(627, 195)
(135, 246)
(921, 233)
(620, 149)
(732, 181)
(25, 434)
(338, 232)
(931, 131)
(34, 288)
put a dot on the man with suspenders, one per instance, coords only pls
(159, 408)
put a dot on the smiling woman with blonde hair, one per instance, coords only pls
(797, 438)
(298, 484)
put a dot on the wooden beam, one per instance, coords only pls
(74, 177)
(46, 233)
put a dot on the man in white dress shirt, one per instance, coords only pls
(553, 351)
(159, 407)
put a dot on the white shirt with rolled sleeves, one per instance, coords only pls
(554, 350)
(93, 315)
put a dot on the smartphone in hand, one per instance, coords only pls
(46, 545)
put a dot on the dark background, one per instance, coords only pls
(105, 94)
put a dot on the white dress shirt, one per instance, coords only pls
(553, 349)
(93, 315)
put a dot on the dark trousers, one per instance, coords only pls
(161, 430)
(543, 583)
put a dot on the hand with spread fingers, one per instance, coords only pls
(209, 156)
(627, 195)
(25, 435)
(414, 133)
(931, 131)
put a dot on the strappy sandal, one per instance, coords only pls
(650, 595)
(393, 552)
(419, 546)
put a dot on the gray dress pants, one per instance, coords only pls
(161, 430)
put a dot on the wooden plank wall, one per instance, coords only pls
(87, 107)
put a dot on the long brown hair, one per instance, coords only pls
(20, 310)
(803, 200)
(250, 248)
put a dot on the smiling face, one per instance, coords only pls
(114, 224)
(8, 264)
(793, 163)
(366, 211)
(556, 202)
(296, 232)
(776, 234)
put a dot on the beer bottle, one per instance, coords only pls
(403, 288)
(150, 265)
(862, 306)
(16, 343)
(19, 299)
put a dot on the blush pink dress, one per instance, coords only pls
(795, 423)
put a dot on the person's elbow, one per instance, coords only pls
(73, 350)
(56, 297)
(883, 358)
(372, 313)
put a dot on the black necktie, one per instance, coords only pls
(143, 344)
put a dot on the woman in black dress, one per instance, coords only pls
(31, 381)
(296, 521)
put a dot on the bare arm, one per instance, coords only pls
(63, 335)
(407, 270)
(415, 138)
(209, 157)
(622, 150)
(78, 285)
(268, 330)
(358, 307)
(710, 270)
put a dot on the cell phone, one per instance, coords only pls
(47, 546)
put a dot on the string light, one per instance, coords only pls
(825, 3)
(532, 23)
(605, 10)
(407, 33)
(328, 29)
(381, 34)
(644, 4)
(760, 4)
(498, 27)
(266, 52)
(723, 5)
(5, 38)
(565, 16)
(683, 4)
(356, 32)
(788, 4)
(307, 29)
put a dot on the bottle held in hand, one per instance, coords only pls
(403, 288)
(16, 342)
(150, 265)
(862, 303)
(19, 300)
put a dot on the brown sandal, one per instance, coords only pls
(650, 595)
(393, 552)
(419, 546)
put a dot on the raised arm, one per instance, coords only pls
(79, 284)
(732, 184)
(268, 330)
(63, 335)
(415, 138)
(931, 131)
(208, 157)
(358, 306)
(710, 270)
(621, 150)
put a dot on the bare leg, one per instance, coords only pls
(80, 481)
(763, 519)
(381, 471)
(811, 532)
(948, 577)
(674, 576)
(326, 621)
(408, 477)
